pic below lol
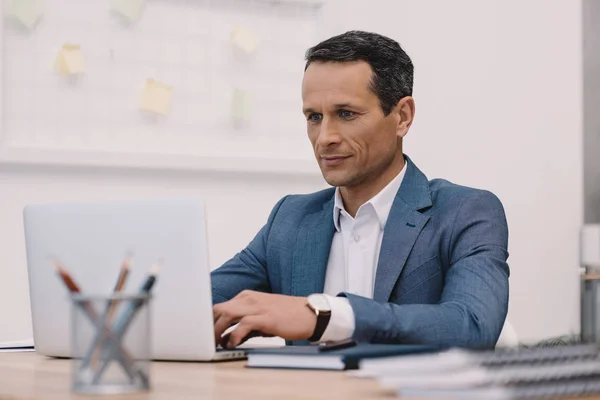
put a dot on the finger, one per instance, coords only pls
(222, 324)
(230, 313)
(254, 333)
(225, 336)
(244, 297)
(226, 314)
(218, 309)
(224, 340)
(249, 326)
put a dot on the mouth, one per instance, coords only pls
(333, 160)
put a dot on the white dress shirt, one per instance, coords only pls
(354, 254)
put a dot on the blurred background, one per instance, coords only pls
(112, 100)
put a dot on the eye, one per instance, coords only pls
(346, 114)
(315, 117)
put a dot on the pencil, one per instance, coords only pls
(66, 278)
(73, 287)
(119, 286)
(127, 315)
(111, 308)
(124, 358)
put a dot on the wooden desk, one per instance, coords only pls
(30, 376)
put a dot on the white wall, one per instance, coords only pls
(499, 106)
(498, 93)
(236, 207)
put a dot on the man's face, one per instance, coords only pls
(352, 140)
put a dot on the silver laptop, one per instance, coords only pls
(92, 239)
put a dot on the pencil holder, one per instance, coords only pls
(110, 343)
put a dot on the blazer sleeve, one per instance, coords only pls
(474, 301)
(247, 270)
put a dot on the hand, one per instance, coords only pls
(271, 314)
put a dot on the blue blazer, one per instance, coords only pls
(441, 278)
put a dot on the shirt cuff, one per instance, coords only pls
(341, 323)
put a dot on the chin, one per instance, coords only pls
(336, 178)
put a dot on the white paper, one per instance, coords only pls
(16, 344)
(17, 350)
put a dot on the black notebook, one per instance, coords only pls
(312, 357)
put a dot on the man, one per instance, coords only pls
(385, 255)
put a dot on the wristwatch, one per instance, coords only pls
(320, 305)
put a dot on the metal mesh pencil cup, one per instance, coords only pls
(110, 343)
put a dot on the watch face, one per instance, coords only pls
(319, 302)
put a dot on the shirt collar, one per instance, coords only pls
(381, 202)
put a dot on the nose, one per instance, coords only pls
(329, 133)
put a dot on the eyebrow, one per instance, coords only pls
(336, 106)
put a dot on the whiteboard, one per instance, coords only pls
(94, 118)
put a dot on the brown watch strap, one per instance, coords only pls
(322, 322)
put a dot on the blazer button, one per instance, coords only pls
(357, 238)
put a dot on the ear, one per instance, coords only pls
(405, 110)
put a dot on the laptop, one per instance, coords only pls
(92, 240)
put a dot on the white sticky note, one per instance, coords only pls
(131, 9)
(28, 12)
(244, 39)
(70, 60)
(156, 97)
(241, 108)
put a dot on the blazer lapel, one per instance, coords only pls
(402, 228)
(399, 236)
(311, 252)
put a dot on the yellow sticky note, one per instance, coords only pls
(244, 39)
(128, 8)
(156, 97)
(28, 12)
(70, 60)
(242, 105)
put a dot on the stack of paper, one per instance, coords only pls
(17, 346)
(509, 374)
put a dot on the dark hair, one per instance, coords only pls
(392, 77)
